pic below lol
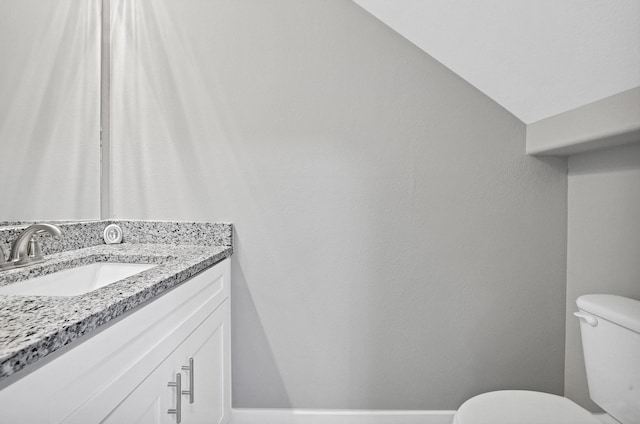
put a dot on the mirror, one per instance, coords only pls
(49, 110)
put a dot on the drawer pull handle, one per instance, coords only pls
(178, 385)
(190, 369)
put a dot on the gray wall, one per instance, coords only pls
(603, 242)
(395, 247)
(49, 109)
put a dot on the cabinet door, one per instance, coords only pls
(209, 348)
(149, 402)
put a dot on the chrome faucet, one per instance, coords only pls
(25, 249)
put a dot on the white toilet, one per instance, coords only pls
(610, 327)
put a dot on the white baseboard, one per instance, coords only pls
(323, 416)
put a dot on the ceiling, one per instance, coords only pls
(536, 58)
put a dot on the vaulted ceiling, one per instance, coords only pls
(536, 58)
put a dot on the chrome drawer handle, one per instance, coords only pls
(190, 369)
(178, 385)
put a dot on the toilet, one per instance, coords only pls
(610, 327)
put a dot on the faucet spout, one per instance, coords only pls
(20, 246)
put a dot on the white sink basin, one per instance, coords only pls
(75, 281)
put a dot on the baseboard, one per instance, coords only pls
(323, 416)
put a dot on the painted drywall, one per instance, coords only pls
(535, 58)
(603, 242)
(609, 122)
(49, 109)
(395, 247)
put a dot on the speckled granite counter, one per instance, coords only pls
(32, 327)
(78, 235)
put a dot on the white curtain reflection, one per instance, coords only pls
(49, 109)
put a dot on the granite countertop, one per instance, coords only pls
(35, 326)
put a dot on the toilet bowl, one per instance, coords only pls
(610, 329)
(521, 407)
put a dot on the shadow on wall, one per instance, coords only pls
(253, 346)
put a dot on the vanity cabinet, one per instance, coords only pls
(203, 352)
(122, 373)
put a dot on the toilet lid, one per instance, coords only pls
(521, 407)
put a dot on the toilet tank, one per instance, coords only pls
(610, 328)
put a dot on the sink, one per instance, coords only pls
(75, 281)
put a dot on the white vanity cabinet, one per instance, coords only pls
(203, 352)
(122, 373)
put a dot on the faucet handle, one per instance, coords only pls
(34, 251)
